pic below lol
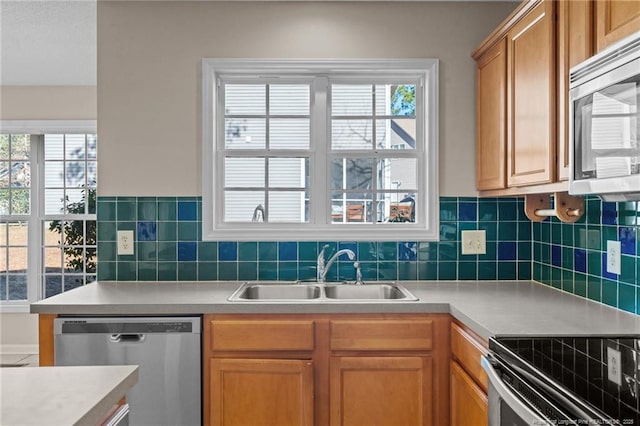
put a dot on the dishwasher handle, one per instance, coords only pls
(127, 338)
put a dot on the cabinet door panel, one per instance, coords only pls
(468, 352)
(264, 392)
(491, 118)
(531, 98)
(575, 44)
(468, 401)
(381, 391)
(615, 20)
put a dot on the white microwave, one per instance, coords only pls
(604, 123)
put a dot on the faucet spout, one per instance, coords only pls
(323, 268)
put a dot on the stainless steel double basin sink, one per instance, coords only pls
(321, 292)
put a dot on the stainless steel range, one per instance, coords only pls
(563, 381)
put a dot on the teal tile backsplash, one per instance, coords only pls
(570, 257)
(169, 246)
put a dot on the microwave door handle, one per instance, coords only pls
(515, 403)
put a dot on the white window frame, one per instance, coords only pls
(35, 243)
(320, 228)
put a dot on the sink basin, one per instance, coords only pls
(368, 291)
(276, 292)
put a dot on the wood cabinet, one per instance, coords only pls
(531, 130)
(258, 371)
(516, 136)
(575, 44)
(323, 370)
(491, 130)
(615, 20)
(269, 392)
(468, 402)
(383, 391)
(381, 371)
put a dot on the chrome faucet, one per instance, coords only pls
(323, 268)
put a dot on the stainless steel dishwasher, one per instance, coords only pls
(166, 349)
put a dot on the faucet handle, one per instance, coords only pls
(359, 281)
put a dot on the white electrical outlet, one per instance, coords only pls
(614, 371)
(613, 257)
(125, 242)
(474, 242)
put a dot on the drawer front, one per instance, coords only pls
(467, 350)
(258, 335)
(380, 335)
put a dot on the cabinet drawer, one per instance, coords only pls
(467, 350)
(380, 335)
(257, 335)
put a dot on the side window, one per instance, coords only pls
(339, 149)
(48, 188)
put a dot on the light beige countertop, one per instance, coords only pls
(490, 308)
(62, 395)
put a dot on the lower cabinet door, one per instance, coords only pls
(381, 391)
(266, 392)
(468, 400)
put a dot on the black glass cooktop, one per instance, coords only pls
(580, 366)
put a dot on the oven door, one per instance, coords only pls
(506, 408)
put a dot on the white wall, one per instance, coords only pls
(149, 57)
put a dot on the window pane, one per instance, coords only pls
(72, 281)
(245, 133)
(289, 133)
(400, 100)
(75, 173)
(92, 147)
(244, 172)
(352, 173)
(244, 206)
(399, 133)
(287, 206)
(75, 201)
(351, 207)
(245, 99)
(396, 207)
(18, 233)
(289, 99)
(4, 147)
(54, 201)
(53, 285)
(53, 147)
(74, 147)
(17, 286)
(20, 174)
(4, 174)
(19, 201)
(288, 172)
(53, 260)
(20, 147)
(17, 259)
(54, 174)
(351, 99)
(4, 201)
(351, 134)
(398, 173)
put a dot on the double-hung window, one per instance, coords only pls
(320, 150)
(48, 181)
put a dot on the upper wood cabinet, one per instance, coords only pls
(531, 100)
(491, 131)
(615, 20)
(575, 44)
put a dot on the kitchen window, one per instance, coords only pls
(48, 181)
(313, 150)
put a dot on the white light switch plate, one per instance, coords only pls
(613, 257)
(125, 242)
(474, 242)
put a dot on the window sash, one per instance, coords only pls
(37, 218)
(320, 226)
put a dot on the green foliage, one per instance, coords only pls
(75, 239)
(403, 100)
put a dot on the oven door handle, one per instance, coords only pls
(507, 395)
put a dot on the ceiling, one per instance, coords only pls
(50, 42)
